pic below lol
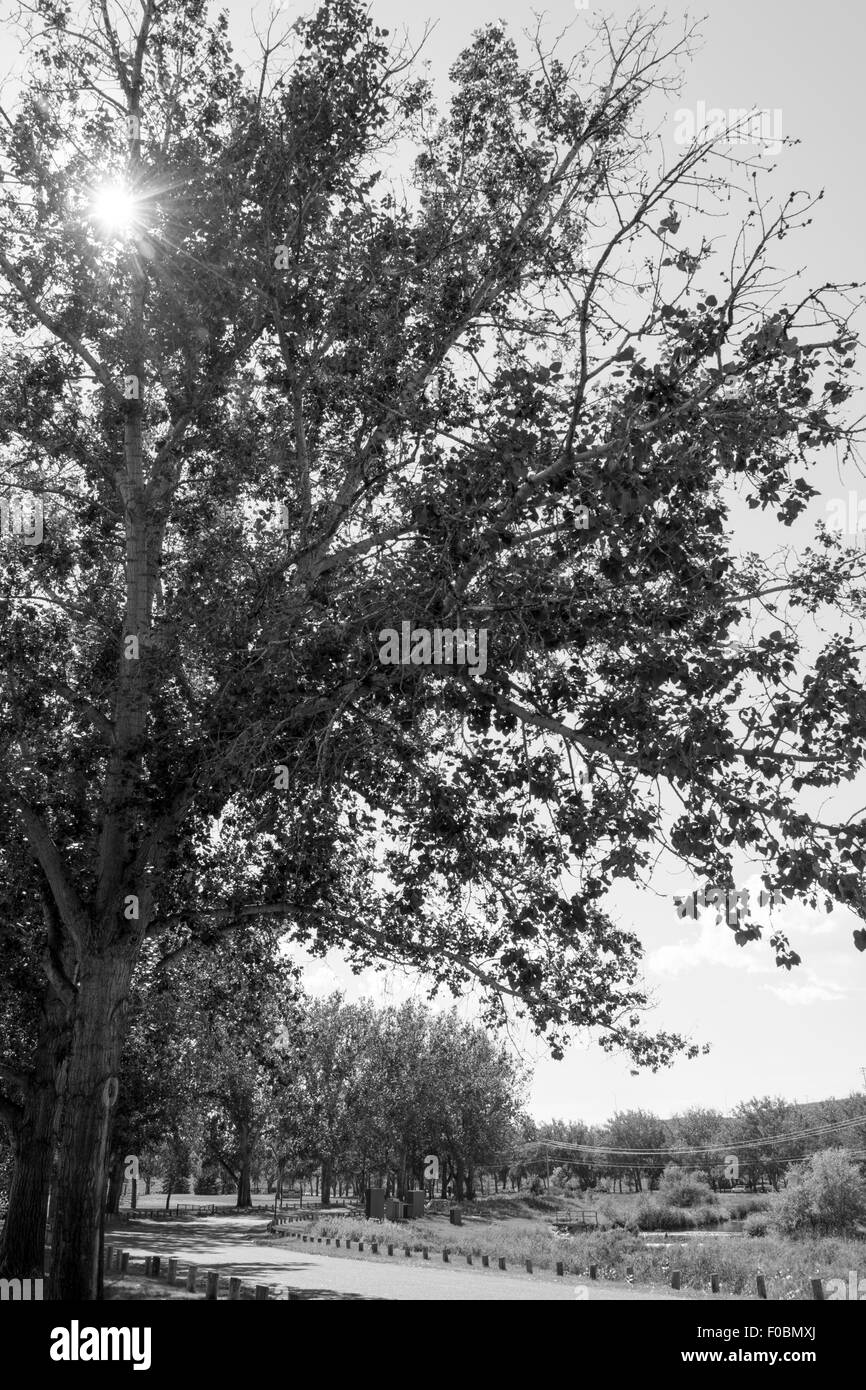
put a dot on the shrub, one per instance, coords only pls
(740, 1210)
(652, 1215)
(826, 1194)
(757, 1223)
(680, 1187)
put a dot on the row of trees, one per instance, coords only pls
(271, 404)
(229, 1065)
(765, 1135)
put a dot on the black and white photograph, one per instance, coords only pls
(432, 708)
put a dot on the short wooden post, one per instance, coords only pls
(148, 1264)
(124, 1261)
(328, 1240)
(501, 1261)
(172, 1271)
(360, 1245)
(213, 1284)
(425, 1252)
(191, 1273)
(560, 1268)
(109, 1255)
(485, 1261)
(676, 1278)
(818, 1289)
(262, 1292)
(154, 1268)
(390, 1249)
(445, 1255)
(469, 1259)
(528, 1266)
(714, 1283)
(762, 1286)
(593, 1271)
(234, 1288)
(337, 1242)
(408, 1252)
(374, 1246)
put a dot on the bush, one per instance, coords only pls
(740, 1210)
(826, 1194)
(680, 1187)
(757, 1223)
(651, 1215)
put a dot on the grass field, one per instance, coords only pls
(519, 1228)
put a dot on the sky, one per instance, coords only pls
(797, 1034)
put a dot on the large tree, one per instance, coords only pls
(274, 408)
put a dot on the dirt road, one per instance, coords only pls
(234, 1245)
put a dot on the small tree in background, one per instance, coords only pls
(682, 1188)
(826, 1194)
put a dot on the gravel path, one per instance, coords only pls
(234, 1245)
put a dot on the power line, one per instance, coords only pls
(814, 1132)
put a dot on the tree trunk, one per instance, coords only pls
(326, 1182)
(244, 1166)
(459, 1180)
(88, 1094)
(115, 1185)
(22, 1248)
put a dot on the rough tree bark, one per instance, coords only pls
(32, 1127)
(90, 1092)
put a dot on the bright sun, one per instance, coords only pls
(114, 206)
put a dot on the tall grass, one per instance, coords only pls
(787, 1265)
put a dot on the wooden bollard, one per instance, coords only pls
(360, 1245)
(374, 1246)
(148, 1264)
(337, 1241)
(262, 1292)
(714, 1283)
(501, 1261)
(445, 1255)
(676, 1277)
(191, 1273)
(593, 1271)
(560, 1269)
(109, 1256)
(124, 1261)
(328, 1240)
(408, 1252)
(234, 1288)
(390, 1249)
(818, 1289)
(213, 1284)
(762, 1286)
(154, 1268)
(485, 1261)
(469, 1259)
(172, 1271)
(425, 1252)
(528, 1266)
